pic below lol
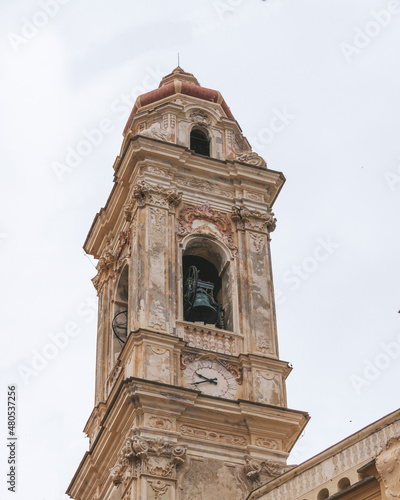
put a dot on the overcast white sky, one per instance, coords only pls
(330, 67)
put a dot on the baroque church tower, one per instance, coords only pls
(190, 399)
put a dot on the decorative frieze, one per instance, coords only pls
(219, 437)
(204, 185)
(160, 423)
(250, 195)
(151, 169)
(206, 213)
(253, 219)
(267, 443)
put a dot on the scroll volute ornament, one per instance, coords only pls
(252, 158)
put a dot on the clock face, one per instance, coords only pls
(211, 378)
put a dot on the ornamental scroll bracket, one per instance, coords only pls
(259, 472)
(253, 219)
(206, 213)
(155, 457)
(146, 194)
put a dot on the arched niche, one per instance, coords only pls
(323, 494)
(199, 141)
(212, 259)
(344, 483)
(119, 325)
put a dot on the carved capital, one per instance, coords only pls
(146, 194)
(155, 457)
(253, 219)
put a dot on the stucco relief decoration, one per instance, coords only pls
(237, 144)
(252, 158)
(240, 150)
(105, 268)
(157, 218)
(206, 213)
(160, 423)
(258, 242)
(267, 443)
(197, 432)
(160, 196)
(154, 457)
(259, 472)
(159, 488)
(264, 345)
(253, 219)
(388, 466)
(129, 208)
(203, 185)
(157, 171)
(157, 131)
(200, 116)
(124, 245)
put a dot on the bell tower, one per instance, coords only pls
(190, 399)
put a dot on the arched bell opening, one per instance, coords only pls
(120, 313)
(207, 287)
(199, 141)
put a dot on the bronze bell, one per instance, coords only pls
(202, 309)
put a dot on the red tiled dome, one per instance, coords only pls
(178, 82)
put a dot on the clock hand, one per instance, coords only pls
(213, 380)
